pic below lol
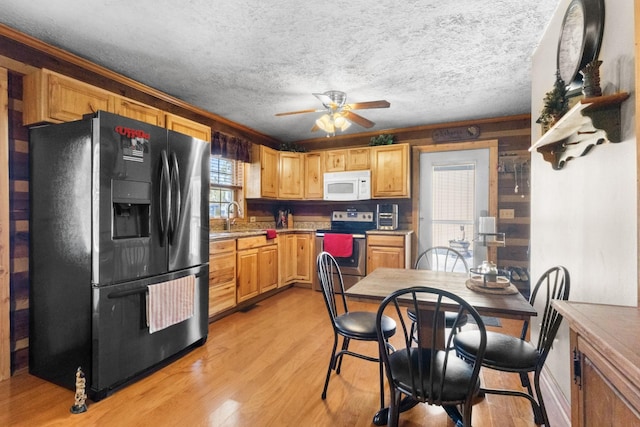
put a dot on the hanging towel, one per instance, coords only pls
(170, 302)
(338, 245)
(271, 233)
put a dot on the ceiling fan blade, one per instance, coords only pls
(298, 112)
(324, 98)
(315, 128)
(357, 119)
(370, 104)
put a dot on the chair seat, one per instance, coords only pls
(362, 325)
(504, 352)
(449, 318)
(457, 378)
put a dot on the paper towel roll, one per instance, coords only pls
(487, 225)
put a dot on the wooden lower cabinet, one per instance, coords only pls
(257, 266)
(247, 281)
(605, 363)
(393, 251)
(268, 268)
(296, 257)
(222, 276)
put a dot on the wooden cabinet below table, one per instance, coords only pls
(605, 363)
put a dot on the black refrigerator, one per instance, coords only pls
(118, 209)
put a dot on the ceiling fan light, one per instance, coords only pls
(341, 123)
(325, 123)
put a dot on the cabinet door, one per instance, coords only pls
(188, 127)
(261, 175)
(268, 268)
(138, 111)
(359, 159)
(380, 256)
(390, 171)
(335, 161)
(290, 176)
(304, 257)
(313, 176)
(54, 98)
(247, 270)
(222, 276)
(601, 404)
(288, 258)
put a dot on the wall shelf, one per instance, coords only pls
(591, 122)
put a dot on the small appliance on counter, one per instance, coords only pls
(387, 216)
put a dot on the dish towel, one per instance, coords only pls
(271, 233)
(338, 245)
(170, 302)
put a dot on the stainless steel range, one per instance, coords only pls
(354, 223)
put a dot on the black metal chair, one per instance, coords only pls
(356, 325)
(442, 258)
(426, 373)
(515, 354)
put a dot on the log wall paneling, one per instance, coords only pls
(5, 349)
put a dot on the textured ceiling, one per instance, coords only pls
(246, 60)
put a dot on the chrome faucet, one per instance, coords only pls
(237, 212)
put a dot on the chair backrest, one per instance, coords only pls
(422, 386)
(553, 284)
(441, 258)
(332, 284)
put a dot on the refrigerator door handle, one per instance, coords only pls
(165, 195)
(175, 197)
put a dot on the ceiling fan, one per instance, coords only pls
(338, 114)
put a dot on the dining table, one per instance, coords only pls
(383, 281)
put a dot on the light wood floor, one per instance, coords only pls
(262, 367)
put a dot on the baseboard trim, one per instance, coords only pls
(558, 407)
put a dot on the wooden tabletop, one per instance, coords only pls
(383, 281)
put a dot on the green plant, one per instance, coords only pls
(290, 146)
(383, 139)
(556, 103)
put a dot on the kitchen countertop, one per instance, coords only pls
(235, 234)
(391, 232)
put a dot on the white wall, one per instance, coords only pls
(584, 216)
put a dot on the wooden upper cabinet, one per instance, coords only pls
(313, 176)
(50, 97)
(188, 127)
(291, 175)
(350, 159)
(358, 159)
(390, 171)
(261, 175)
(335, 161)
(138, 111)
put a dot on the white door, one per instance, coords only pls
(454, 194)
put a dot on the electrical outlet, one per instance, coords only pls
(252, 219)
(507, 213)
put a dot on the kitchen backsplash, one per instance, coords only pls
(297, 225)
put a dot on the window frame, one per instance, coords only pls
(236, 187)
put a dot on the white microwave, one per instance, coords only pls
(346, 186)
